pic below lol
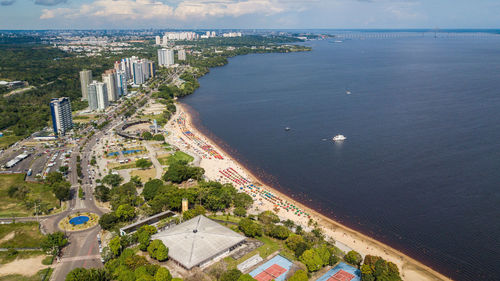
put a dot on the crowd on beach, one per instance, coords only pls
(229, 174)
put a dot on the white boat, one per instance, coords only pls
(348, 92)
(339, 138)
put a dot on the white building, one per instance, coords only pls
(62, 121)
(137, 72)
(109, 78)
(98, 96)
(85, 80)
(181, 54)
(158, 40)
(165, 57)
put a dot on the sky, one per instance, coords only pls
(248, 14)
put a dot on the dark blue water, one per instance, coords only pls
(79, 220)
(420, 169)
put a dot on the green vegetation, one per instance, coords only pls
(20, 235)
(180, 156)
(20, 197)
(353, 258)
(54, 242)
(180, 171)
(11, 255)
(143, 163)
(377, 269)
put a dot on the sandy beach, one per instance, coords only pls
(220, 166)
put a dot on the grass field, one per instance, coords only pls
(10, 256)
(8, 139)
(20, 235)
(16, 207)
(118, 166)
(145, 175)
(177, 156)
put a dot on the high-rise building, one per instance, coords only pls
(165, 57)
(158, 40)
(165, 40)
(121, 82)
(85, 80)
(62, 120)
(145, 69)
(181, 54)
(109, 78)
(137, 73)
(152, 68)
(98, 96)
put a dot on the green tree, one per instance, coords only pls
(151, 188)
(158, 250)
(240, 212)
(80, 192)
(268, 217)
(136, 180)
(243, 200)
(293, 240)
(82, 274)
(53, 178)
(63, 169)
(143, 163)
(353, 257)
(144, 239)
(301, 248)
(189, 214)
(54, 242)
(312, 260)
(115, 246)
(102, 193)
(125, 212)
(147, 136)
(107, 221)
(112, 180)
(163, 275)
(62, 191)
(279, 232)
(231, 275)
(299, 275)
(250, 228)
(158, 137)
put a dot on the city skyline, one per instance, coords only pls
(243, 14)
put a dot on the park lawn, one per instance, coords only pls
(20, 235)
(37, 277)
(9, 139)
(145, 175)
(180, 156)
(118, 166)
(16, 207)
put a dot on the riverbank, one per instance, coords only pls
(221, 166)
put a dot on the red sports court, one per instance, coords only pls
(271, 273)
(341, 275)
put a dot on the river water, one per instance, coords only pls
(420, 169)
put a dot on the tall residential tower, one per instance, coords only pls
(62, 121)
(85, 80)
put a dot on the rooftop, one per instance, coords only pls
(197, 241)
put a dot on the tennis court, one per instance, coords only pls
(274, 269)
(342, 272)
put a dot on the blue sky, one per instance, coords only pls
(88, 14)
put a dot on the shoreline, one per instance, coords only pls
(410, 269)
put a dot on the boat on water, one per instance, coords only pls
(287, 129)
(339, 138)
(348, 92)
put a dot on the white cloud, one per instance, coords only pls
(151, 9)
